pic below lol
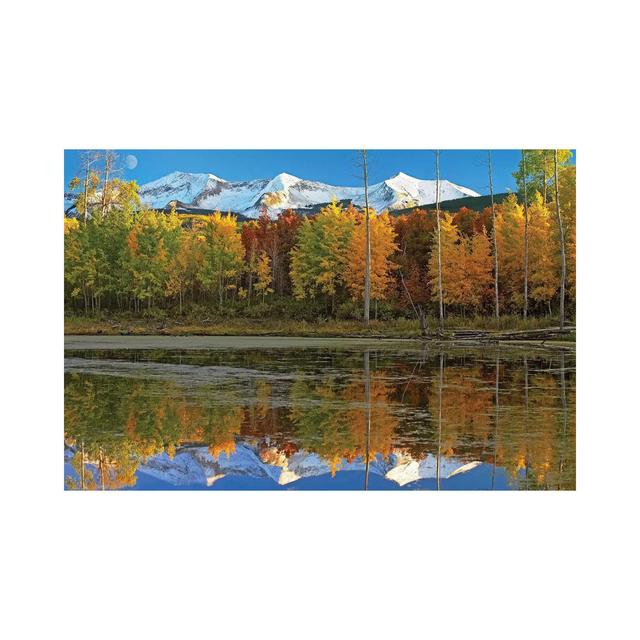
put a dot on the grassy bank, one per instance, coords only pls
(398, 328)
(239, 327)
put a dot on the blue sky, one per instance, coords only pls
(339, 167)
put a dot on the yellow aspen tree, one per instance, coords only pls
(567, 189)
(223, 256)
(183, 266)
(382, 243)
(479, 268)
(452, 261)
(543, 274)
(320, 256)
(70, 224)
(147, 257)
(510, 236)
(263, 275)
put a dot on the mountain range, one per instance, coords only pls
(205, 191)
(195, 466)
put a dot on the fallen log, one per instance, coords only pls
(527, 334)
(536, 334)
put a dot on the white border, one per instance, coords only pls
(293, 75)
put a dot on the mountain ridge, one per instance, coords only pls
(206, 191)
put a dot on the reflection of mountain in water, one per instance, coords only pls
(195, 466)
(308, 419)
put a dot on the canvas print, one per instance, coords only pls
(365, 319)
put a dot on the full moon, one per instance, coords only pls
(131, 161)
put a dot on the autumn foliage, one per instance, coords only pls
(142, 261)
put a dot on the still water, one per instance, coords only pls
(283, 414)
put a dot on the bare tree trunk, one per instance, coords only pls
(88, 158)
(367, 260)
(563, 273)
(105, 186)
(495, 238)
(252, 258)
(423, 322)
(526, 234)
(220, 290)
(275, 262)
(86, 190)
(441, 306)
(408, 294)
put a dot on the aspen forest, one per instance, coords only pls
(514, 258)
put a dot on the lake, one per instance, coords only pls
(227, 413)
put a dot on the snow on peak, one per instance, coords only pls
(182, 177)
(402, 176)
(195, 465)
(403, 181)
(285, 191)
(410, 191)
(282, 182)
(407, 469)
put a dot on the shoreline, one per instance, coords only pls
(481, 331)
(208, 342)
(81, 331)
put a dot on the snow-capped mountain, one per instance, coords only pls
(196, 466)
(209, 192)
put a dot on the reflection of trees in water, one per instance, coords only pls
(537, 445)
(344, 421)
(367, 400)
(109, 466)
(467, 406)
(508, 413)
(119, 422)
(264, 418)
(321, 420)
(496, 422)
(122, 421)
(440, 389)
